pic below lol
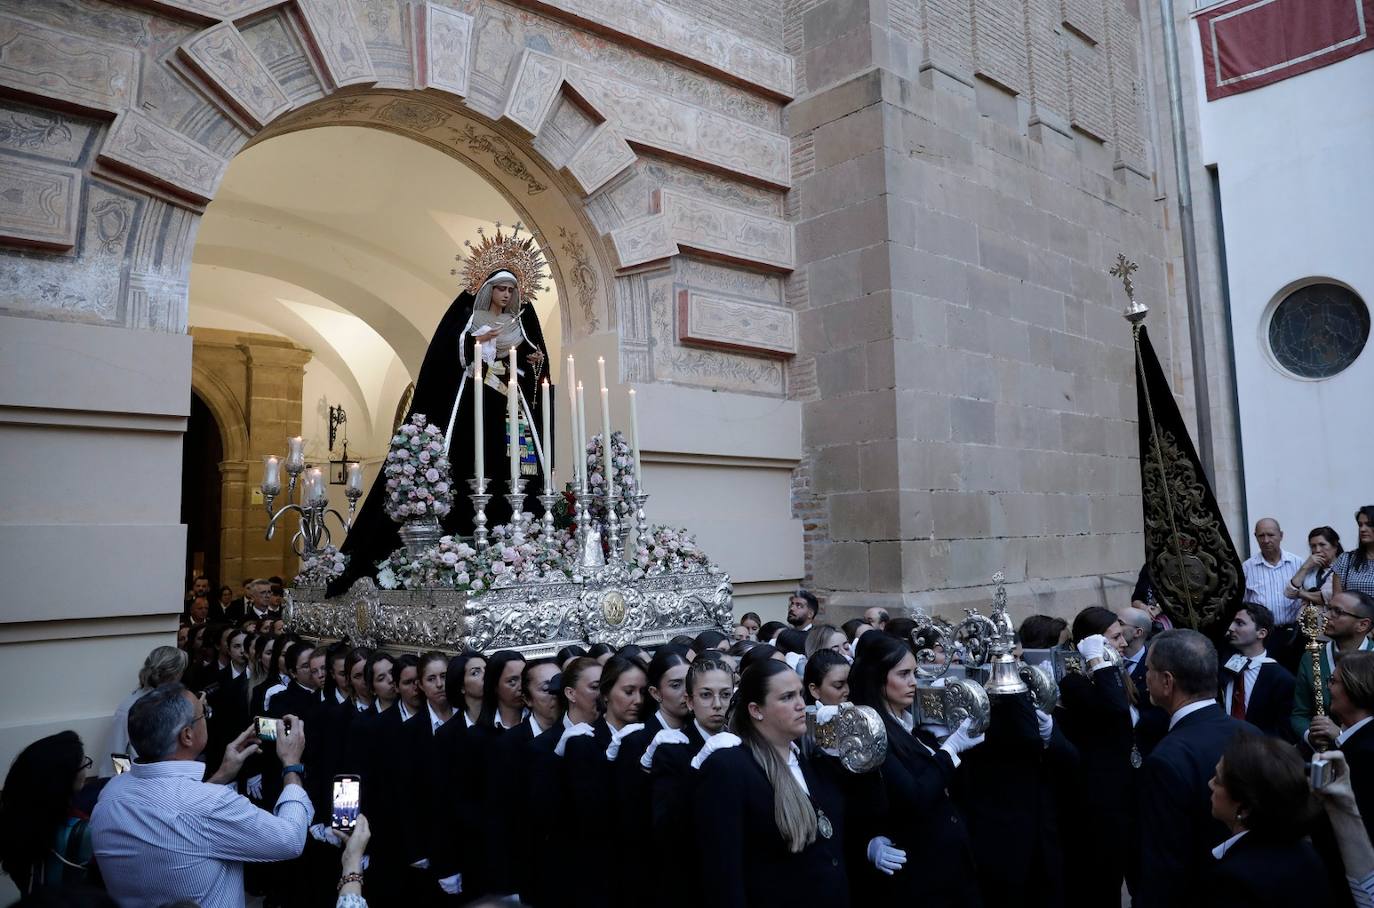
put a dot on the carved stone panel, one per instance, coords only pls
(726, 232)
(162, 156)
(646, 240)
(716, 322)
(222, 56)
(65, 67)
(339, 41)
(601, 157)
(537, 82)
(214, 9)
(445, 48)
(38, 203)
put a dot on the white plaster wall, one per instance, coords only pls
(1297, 201)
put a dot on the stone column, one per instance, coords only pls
(235, 503)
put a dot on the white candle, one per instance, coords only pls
(582, 432)
(314, 486)
(571, 380)
(634, 439)
(607, 468)
(271, 475)
(601, 371)
(295, 453)
(355, 477)
(544, 439)
(513, 420)
(477, 381)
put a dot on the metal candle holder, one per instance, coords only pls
(516, 498)
(479, 499)
(547, 498)
(313, 532)
(641, 522)
(616, 548)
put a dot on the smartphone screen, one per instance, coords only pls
(121, 763)
(345, 812)
(267, 729)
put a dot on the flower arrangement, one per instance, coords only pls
(511, 558)
(623, 475)
(667, 550)
(451, 563)
(321, 567)
(417, 473)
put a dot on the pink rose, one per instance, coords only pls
(432, 475)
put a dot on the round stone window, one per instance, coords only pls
(1317, 331)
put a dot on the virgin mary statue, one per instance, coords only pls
(493, 313)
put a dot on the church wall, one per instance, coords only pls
(962, 186)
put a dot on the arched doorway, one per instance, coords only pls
(202, 452)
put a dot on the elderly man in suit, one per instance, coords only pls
(1177, 828)
(1254, 687)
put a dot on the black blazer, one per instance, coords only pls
(417, 761)
(541, 832)
(587, 802)
(504, 801)
(1359, 756)
(1271, 702)
(630, 792)
(672, 782)
(744, 861)
(1154, 721)
(1257, 872)
(1176, 825)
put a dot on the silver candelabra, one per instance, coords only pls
(479, 497)
(516, 498)
(312, 534)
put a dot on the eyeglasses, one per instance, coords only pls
(1336, 610)
(86, 763)
(206, 713)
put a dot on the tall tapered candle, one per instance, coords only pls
(571, 379)
(544, 442)
(477, 382)
(513, 420)
(634, 440)
(607, 465)
(601, 372)
(582, 431)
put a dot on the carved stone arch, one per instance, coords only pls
(227, 410)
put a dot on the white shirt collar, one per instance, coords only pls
(405, 711)
(1366, 643)
(236, 673)
(1219, 852)
(1188, 711)
(663, 720)
(1349, 732)
(535, 728)
(339, 696)
(499, 724)
(705, 735)
(467, 720)
(1238, 660)
(434, 721)
(794, 765)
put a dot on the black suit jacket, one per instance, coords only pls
(1359, 756)
(744, 861)
(544, 817)
(587, 802)
(1270, 708)
(1154, 722)
(505, 810)
(1256, 872)
(672, 782)
(1176, 825)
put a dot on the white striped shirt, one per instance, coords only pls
(160, 835)
(1267, 584)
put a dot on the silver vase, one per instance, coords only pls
(420, 533)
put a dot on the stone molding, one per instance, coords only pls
(719, 323)
(163, 157)
(334, 35)
(73, 69)
(443, 48)
(684, 222)
(42, 203)
(222, 57)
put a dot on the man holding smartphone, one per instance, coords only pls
(161, 835)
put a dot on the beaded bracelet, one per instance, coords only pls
(349, 878)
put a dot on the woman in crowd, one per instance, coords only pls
(915, 839)
(707, 641)
(44, 839)
(1312, 582)
(827, 636)
(503, 705)
(420, 759)
(709, 684)
(469, 672)
(773, 830)
(355, 668)
(1354, 569)
(1041, 632)
(853, 629)
(587, 777)
(567, 654)
(601, 652)
(751, 623)
(1097, 716)
(1260, 793)
(826, 679)
(769, 631)
(163, 665)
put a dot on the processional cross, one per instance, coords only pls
(1123, 269)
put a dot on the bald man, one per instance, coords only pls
(1137, 626)
(1267, 573)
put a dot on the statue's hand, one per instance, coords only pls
(483, 338)
(535, 359)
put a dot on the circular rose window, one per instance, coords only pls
(1317, 331)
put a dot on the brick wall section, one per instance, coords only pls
(973, 402)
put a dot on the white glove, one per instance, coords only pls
(322, 833)
(960, 740)
(1091, 647)
(714, 743)
(422, 864)
(254, 787)
(1046, 723)
(581, 728)
(452, 885)
(882, 855)
(666, 736)
(613, 749)
(795, 661)
(825, 714)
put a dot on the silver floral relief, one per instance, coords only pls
(533, 618)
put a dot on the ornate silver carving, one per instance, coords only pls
(856, 735)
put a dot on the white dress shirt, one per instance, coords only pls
(405, 710)
(794, 767)
(1219, 852)
(1188, 711)
(1251, 676)
(1349, 732)
(1267, 584)
(705, 735)
(162, 835)
(435, 722)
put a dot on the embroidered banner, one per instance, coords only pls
(1250, 43)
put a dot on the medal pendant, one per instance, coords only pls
(1136, 761)
(823, 825)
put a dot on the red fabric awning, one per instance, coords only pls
(1250, 43)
